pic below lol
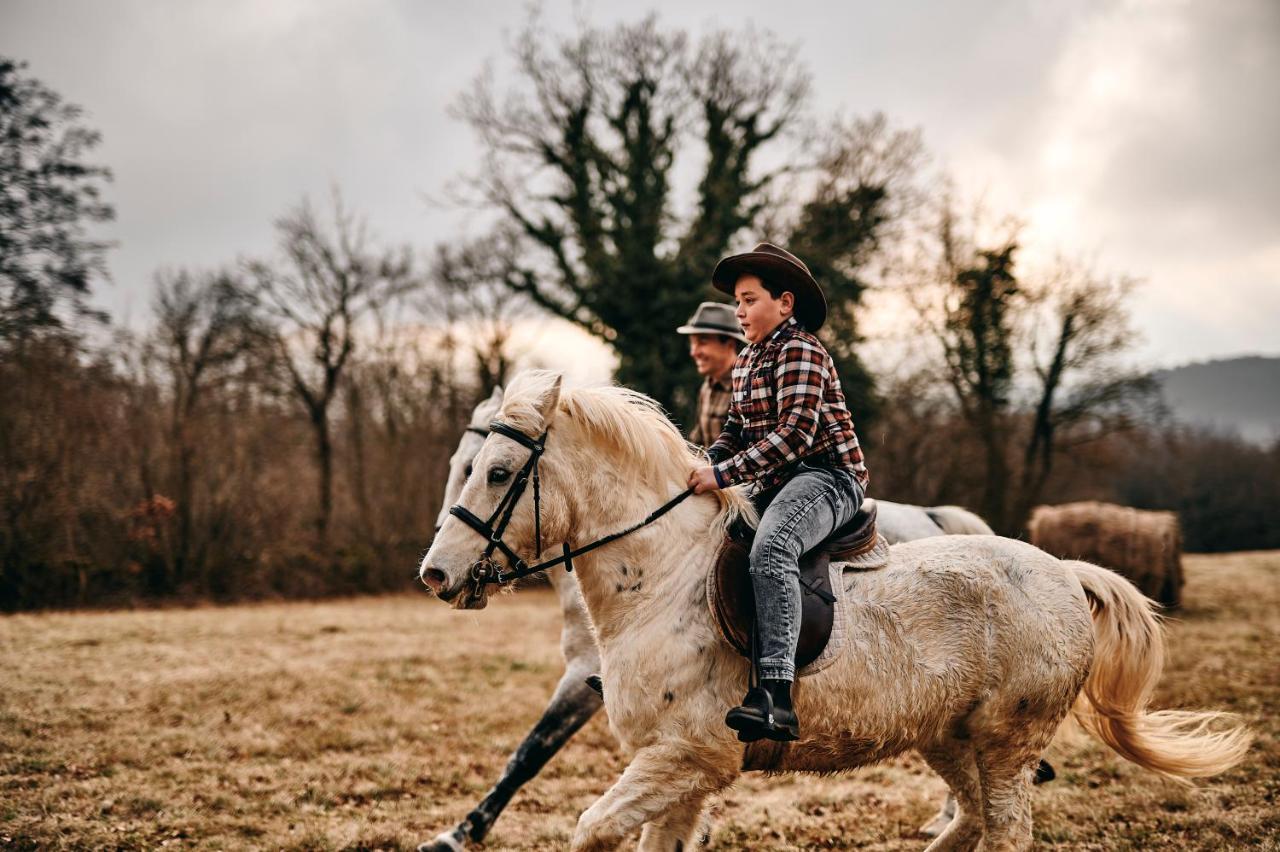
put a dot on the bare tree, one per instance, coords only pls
(329, 280)
(479, 313)
(1034, 368)
(204, 329)
(1077, 333)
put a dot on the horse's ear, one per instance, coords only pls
(547, 402)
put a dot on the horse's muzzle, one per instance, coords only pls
(464, 594)
(435, 580)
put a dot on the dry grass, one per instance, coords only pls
(376, 722)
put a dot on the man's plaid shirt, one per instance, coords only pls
(713, 406)
(787, 406)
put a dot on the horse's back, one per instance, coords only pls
(902, 522)
(979, 580)
(954, 619)
(970, 569)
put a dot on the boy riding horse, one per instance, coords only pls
(790, 433)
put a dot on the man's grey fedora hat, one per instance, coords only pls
(714, 318)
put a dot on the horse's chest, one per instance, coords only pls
(644, 691)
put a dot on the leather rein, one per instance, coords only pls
(485, 570)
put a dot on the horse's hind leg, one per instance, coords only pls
(1006, 773)
(676, 830)
(573, 704)
(953, 759)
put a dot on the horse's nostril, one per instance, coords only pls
(434, 578)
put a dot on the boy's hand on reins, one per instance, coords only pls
(703, 479)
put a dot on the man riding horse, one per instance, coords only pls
(715, 338)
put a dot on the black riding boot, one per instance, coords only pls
(765, 713)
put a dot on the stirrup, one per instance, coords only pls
(755, 718)
(748, 719)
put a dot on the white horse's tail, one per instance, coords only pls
(1128, 659)
(956, 520)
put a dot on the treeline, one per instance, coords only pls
(282, 426)
(187, 464)
(115, 488)
(1224, 489)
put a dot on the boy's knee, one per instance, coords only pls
(774, 554)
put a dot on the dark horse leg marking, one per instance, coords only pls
(933, 516)
(572, 705)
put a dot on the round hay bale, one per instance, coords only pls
(1145, 547)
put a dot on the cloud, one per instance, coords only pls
(1138, 134)
(1169, 111)
(1154, 151)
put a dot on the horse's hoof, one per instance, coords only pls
(941, 819)
(935, 826)
(449, 841)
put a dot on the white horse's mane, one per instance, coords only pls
(626, 427)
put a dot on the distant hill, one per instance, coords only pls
(1235, 394)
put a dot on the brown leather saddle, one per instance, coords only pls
(732, 598)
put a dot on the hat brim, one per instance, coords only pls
(811, 304)
(712, 329)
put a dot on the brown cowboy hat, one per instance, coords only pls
(780, 267)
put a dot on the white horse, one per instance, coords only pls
(970, 649)
(573, 703)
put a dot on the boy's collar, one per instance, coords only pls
(785, 324)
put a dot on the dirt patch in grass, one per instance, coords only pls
(375, 723)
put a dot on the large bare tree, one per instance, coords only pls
(1035, 366)
(329, 279)
(1083, 389)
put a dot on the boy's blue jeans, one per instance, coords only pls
(807, 509)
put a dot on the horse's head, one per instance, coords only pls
(500, 462)
(468, 448)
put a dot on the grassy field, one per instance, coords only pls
(376, 722)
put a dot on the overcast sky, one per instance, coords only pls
(1141, 135)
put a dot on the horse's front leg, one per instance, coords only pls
(661, 785)
(572, 704)
(676, 830)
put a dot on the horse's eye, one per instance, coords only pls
(498, 475)
(467, 472)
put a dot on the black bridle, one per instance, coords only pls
(485, 571)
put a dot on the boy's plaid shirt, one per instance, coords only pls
(787, 406)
